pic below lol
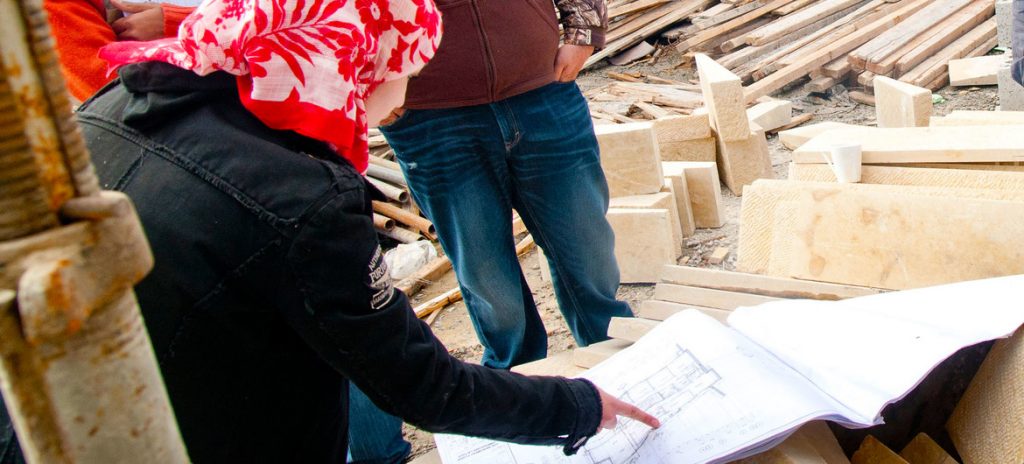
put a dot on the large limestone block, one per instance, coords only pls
(877, 239)
(741, 163)
(724, 99)
(767, 224)
(643, 243)
(661, 200)
(988, 423)
(704, 190)
(629, 157)
(899, 104)
(684, 210)
(1004, 23)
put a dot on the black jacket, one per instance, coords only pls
(269, 290)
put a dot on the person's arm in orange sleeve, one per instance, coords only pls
(173, 16)
(80, 30)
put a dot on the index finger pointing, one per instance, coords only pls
(636, 413)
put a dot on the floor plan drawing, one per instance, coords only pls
(665, 394)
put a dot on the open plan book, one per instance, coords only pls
(726, 392)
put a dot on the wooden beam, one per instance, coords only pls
(780, 27)
(935, 39)
(779, 287)
(979, 70)
(709, 34)
(921, 177)
(825, 54)
(880, 47)
(936, 65)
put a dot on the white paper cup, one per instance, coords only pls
(845, 160)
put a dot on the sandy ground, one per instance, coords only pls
(453, 326)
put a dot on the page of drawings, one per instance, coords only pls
(715, 393)
(867, 352)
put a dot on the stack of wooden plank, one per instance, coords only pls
(774, 43)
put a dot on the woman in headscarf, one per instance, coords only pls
(241, 143)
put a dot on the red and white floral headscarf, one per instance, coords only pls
(302, 65)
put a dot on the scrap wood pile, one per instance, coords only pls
(771, 44)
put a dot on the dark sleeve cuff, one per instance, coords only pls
(584, 36)
(588, 415)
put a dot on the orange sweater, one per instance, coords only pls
(80, 29)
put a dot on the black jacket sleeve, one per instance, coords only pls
(362, 326)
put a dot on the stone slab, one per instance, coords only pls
(899, 104)
(793, 138)
(704, 190)
(662, 200)
(684, 210)
(724, 99)
(643, 243)
(741, 163)
(987, 425)
(705, 149)
(772, 114)
(630, 159)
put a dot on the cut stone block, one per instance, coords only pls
(872, 451)
(793, 138)
(661, 200)
(704, 189)
(724, 99)
(899, 104)
(886, 238)
(677, 187)
(629, 157)
(1004, 23)
(979, 70)
(682, 127)
(630, 328)
(891, 175)
(901, 145)
(766, 222)
(596, 353)
(689, 150)
(741, 163)
(643, 243)
(923, 450)
(988, 422)
(661, 310)
(772, 114)
(1011, 94)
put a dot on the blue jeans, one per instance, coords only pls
(468, 167)
(374, 436)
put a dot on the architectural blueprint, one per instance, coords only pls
(724, 393)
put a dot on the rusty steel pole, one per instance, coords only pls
(77, 370)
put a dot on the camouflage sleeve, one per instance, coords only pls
(583, 21)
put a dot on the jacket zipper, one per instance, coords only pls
(491, 77)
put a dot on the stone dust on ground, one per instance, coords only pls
(453, 326)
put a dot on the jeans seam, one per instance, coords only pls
(559, 271)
